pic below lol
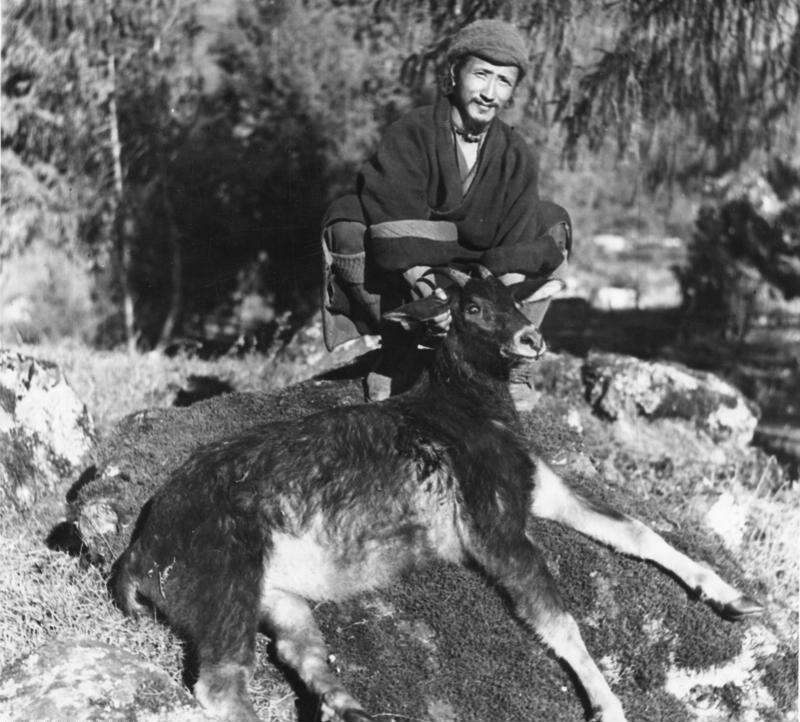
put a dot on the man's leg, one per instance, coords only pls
(401, 361)
(535, 310)
(561, 233)
(399, 365)
(349, 309)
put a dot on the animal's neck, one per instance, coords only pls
(482, 392)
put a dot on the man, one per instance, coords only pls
(449, 184)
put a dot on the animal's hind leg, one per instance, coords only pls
(222, 690)
(299, 644)
(553, 499)
(225, 647)
(521, 571)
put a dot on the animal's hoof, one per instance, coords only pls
(609, 715)
(356, 715)
(740, 608)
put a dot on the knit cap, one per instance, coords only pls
(497, 41)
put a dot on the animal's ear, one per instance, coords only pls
(536, 289)
(417, 313)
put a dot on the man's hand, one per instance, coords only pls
(422, 281)
(438, 325)
(430, 316)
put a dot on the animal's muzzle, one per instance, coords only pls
(527, 343)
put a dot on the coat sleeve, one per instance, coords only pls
(393, 188)
(524, 242)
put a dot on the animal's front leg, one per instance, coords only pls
(299, 644)
(525, 577)
(554, 499)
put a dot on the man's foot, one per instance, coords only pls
(377, 386)
(398, 369)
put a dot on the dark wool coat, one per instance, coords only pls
(410, 210)
(412, 203)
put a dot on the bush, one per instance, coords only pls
(744, 263)
(46, 294)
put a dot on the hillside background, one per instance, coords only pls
(165, 166)
(166, 163)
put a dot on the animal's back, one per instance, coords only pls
(357, 479)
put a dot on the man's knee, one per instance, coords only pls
(346, 237)
(556, 222)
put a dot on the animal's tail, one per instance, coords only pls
(124, 583)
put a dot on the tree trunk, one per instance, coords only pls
(121, 230)
(176, 273)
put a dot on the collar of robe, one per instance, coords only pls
(467, 136)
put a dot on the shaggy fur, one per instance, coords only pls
(344, 500)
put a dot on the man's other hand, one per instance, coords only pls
(437, 326)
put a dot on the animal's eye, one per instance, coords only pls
(473, 308)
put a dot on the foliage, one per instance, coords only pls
(174, 142)
(46, 294)
(718, 72)
(50, 102)
(649, 74)
(745, 253)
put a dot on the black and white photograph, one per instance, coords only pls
(400, 360)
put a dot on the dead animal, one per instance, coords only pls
(325, 507)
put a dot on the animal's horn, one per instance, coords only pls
(483, 272)
(459, 277)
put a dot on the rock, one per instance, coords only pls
(45, 429)
(82, 679)
(728, 518)
(658, 289)
(615, 298)
(611, 243)
(440, 641)
(625, 389)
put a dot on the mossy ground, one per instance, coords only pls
(439, 644)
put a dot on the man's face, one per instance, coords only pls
(482, 88)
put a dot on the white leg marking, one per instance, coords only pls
(562, 635)
(300, 645)
(222, 691)
(553, 499)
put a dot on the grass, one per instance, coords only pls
(51, 595)
(770, 548)
(113, 384)
(48, 594)
(760, 514)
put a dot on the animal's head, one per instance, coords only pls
(489, 331)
